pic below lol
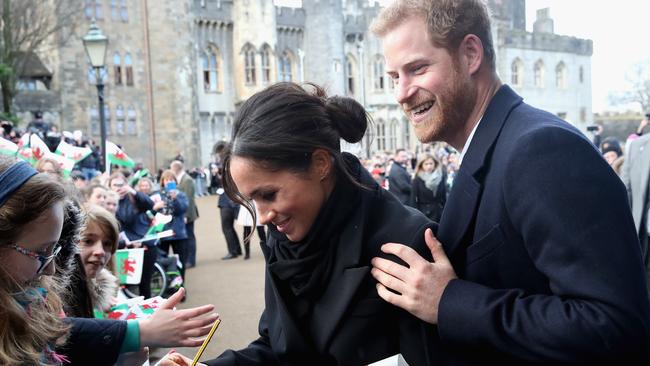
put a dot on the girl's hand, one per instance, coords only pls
(175, 359)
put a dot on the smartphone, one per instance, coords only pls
(170, 186)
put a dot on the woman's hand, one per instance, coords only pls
(176, 328)
(175, 359)
(159, 205)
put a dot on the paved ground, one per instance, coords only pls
(235, 287)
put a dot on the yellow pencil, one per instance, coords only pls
(205, 342)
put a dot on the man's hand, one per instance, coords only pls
(420, 285)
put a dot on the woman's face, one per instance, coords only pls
(288, 200)
(116, 184)
(144, 187)
(98, 196)
(38, 236)
(111, 203)
(48, 168)
(95, 249)
(428, 165)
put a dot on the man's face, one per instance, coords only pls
(433, 88)
(402, 157)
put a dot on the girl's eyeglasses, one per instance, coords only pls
(44, 260)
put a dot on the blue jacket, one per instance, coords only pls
(180, 206)
(132, 215)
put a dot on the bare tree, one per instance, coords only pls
(638, 78)
(27, 26)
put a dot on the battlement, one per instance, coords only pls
(219, 10)
(289, 17)
(547, 42)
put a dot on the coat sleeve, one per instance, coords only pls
(93, 341)
(142, 202)
(413, 199)
(570, 211)
(259, 352)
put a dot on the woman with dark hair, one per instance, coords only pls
(429, 188)
(327, 218)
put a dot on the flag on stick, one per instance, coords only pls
(72, 152)
(117, 156)
(129, 265)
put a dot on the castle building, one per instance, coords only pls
(177, 70)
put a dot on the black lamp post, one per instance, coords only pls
(95, 44)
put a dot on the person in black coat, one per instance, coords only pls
(429, 188)
(399, 179)
(536, 259)
(327, 218)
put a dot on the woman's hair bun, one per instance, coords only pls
(348, 117)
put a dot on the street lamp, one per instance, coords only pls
(95, 44)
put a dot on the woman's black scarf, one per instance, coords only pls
(304, 268)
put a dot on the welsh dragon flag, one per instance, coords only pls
(39, 148)
(129, 265)
(7, 147)
(65, 163)
(72, 152)
(158, 223)
(24, 150)
(117, 156)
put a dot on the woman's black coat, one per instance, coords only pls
(424, 200)
(354, 325)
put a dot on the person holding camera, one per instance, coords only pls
(175, 203)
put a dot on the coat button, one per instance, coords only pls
(106, 340)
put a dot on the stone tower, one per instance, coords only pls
(324, 54)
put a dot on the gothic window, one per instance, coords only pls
(124, 15)
(581, 75)
(378, 73)
(381, 136)
(89, 9)
(560, 76)
(392, 135)
(107, 118)
(407, 134)
(119, 120)
(517, 69)
(350, 73)
(249, 64)
(114, 10)
(128, 66)
(98, 10)
(285, 65)
(131, 123)
(539, 74)
(211, 70)
(94, 121)
(117, 68)
(266, 65)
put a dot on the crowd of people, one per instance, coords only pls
(512, 242)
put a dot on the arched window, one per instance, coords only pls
(539, 74)
(379, 76)
(561, 76)
(128, 65)
(285, 65)
(115, 10)
(89, 9)
(94, 121)
(119, 120)
(266, 65)
(407, 134)
(381, 136)
(107, 118)
(392, 145)
(581, 74)
(124, 15)
(131, 122)
(98, 10)
(517, 69)
(117, 68)
(249, 64)
(211, 70)
(350, 74)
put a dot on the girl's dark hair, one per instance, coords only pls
(280, 127)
